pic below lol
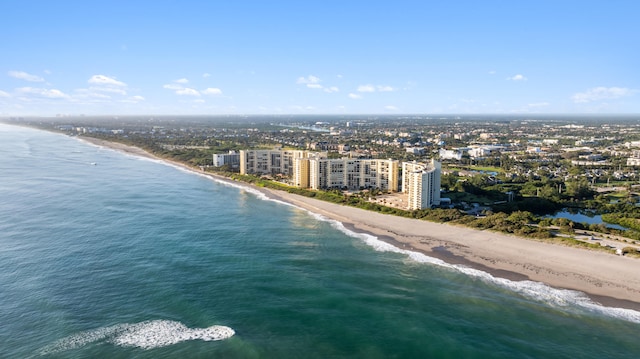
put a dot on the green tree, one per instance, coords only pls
(579, 189)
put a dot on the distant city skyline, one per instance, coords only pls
(330, 57)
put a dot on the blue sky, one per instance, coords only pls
(319, 57)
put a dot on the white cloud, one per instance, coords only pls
(188, 92)
(308, 80)
(212, 91)
(25, 76)
(172, 87)
(602, 93)
(517, 77)
(199, 101)
(313, 82)
(105, 80)
(385, 89)
(366, 88)
(181, 81)
(355, 96)
(372, 88)
(48, 93)
(391, 108)
(492, 72)
(206, 74)
(4, 94)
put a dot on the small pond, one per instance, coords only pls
(583, 216)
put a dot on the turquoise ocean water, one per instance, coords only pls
(134, 258)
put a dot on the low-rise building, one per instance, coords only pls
(634, 160)
(232, 159)
(450, 154)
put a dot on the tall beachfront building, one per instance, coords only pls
(302, 168)
(307, 169)
(421, 182)
(271, 162)
(353, 174)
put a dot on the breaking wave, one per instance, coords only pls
(145, 335)
(566, 299)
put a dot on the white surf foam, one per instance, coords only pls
(242, 187)
(566, 299)
(160, 333)
(145, 335)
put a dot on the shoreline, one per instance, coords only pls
(609, 280)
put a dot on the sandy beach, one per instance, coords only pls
(608, 279)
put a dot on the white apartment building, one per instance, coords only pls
(421, 182)
(232, 159)
(634, 160)
(353, 174)
(269, 162)
(314, 170)
(450, 154)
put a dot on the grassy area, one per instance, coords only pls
(476, 168)
(617, 195)
(486, 169)
(615, 183)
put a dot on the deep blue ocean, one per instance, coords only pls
(106, 255)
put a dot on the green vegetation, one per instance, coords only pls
(477, 168)
(629, 220)
(631, 251)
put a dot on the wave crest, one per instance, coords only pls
(562, 298)
(145, 335)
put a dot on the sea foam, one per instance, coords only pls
(565, 299)
(145, 335)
